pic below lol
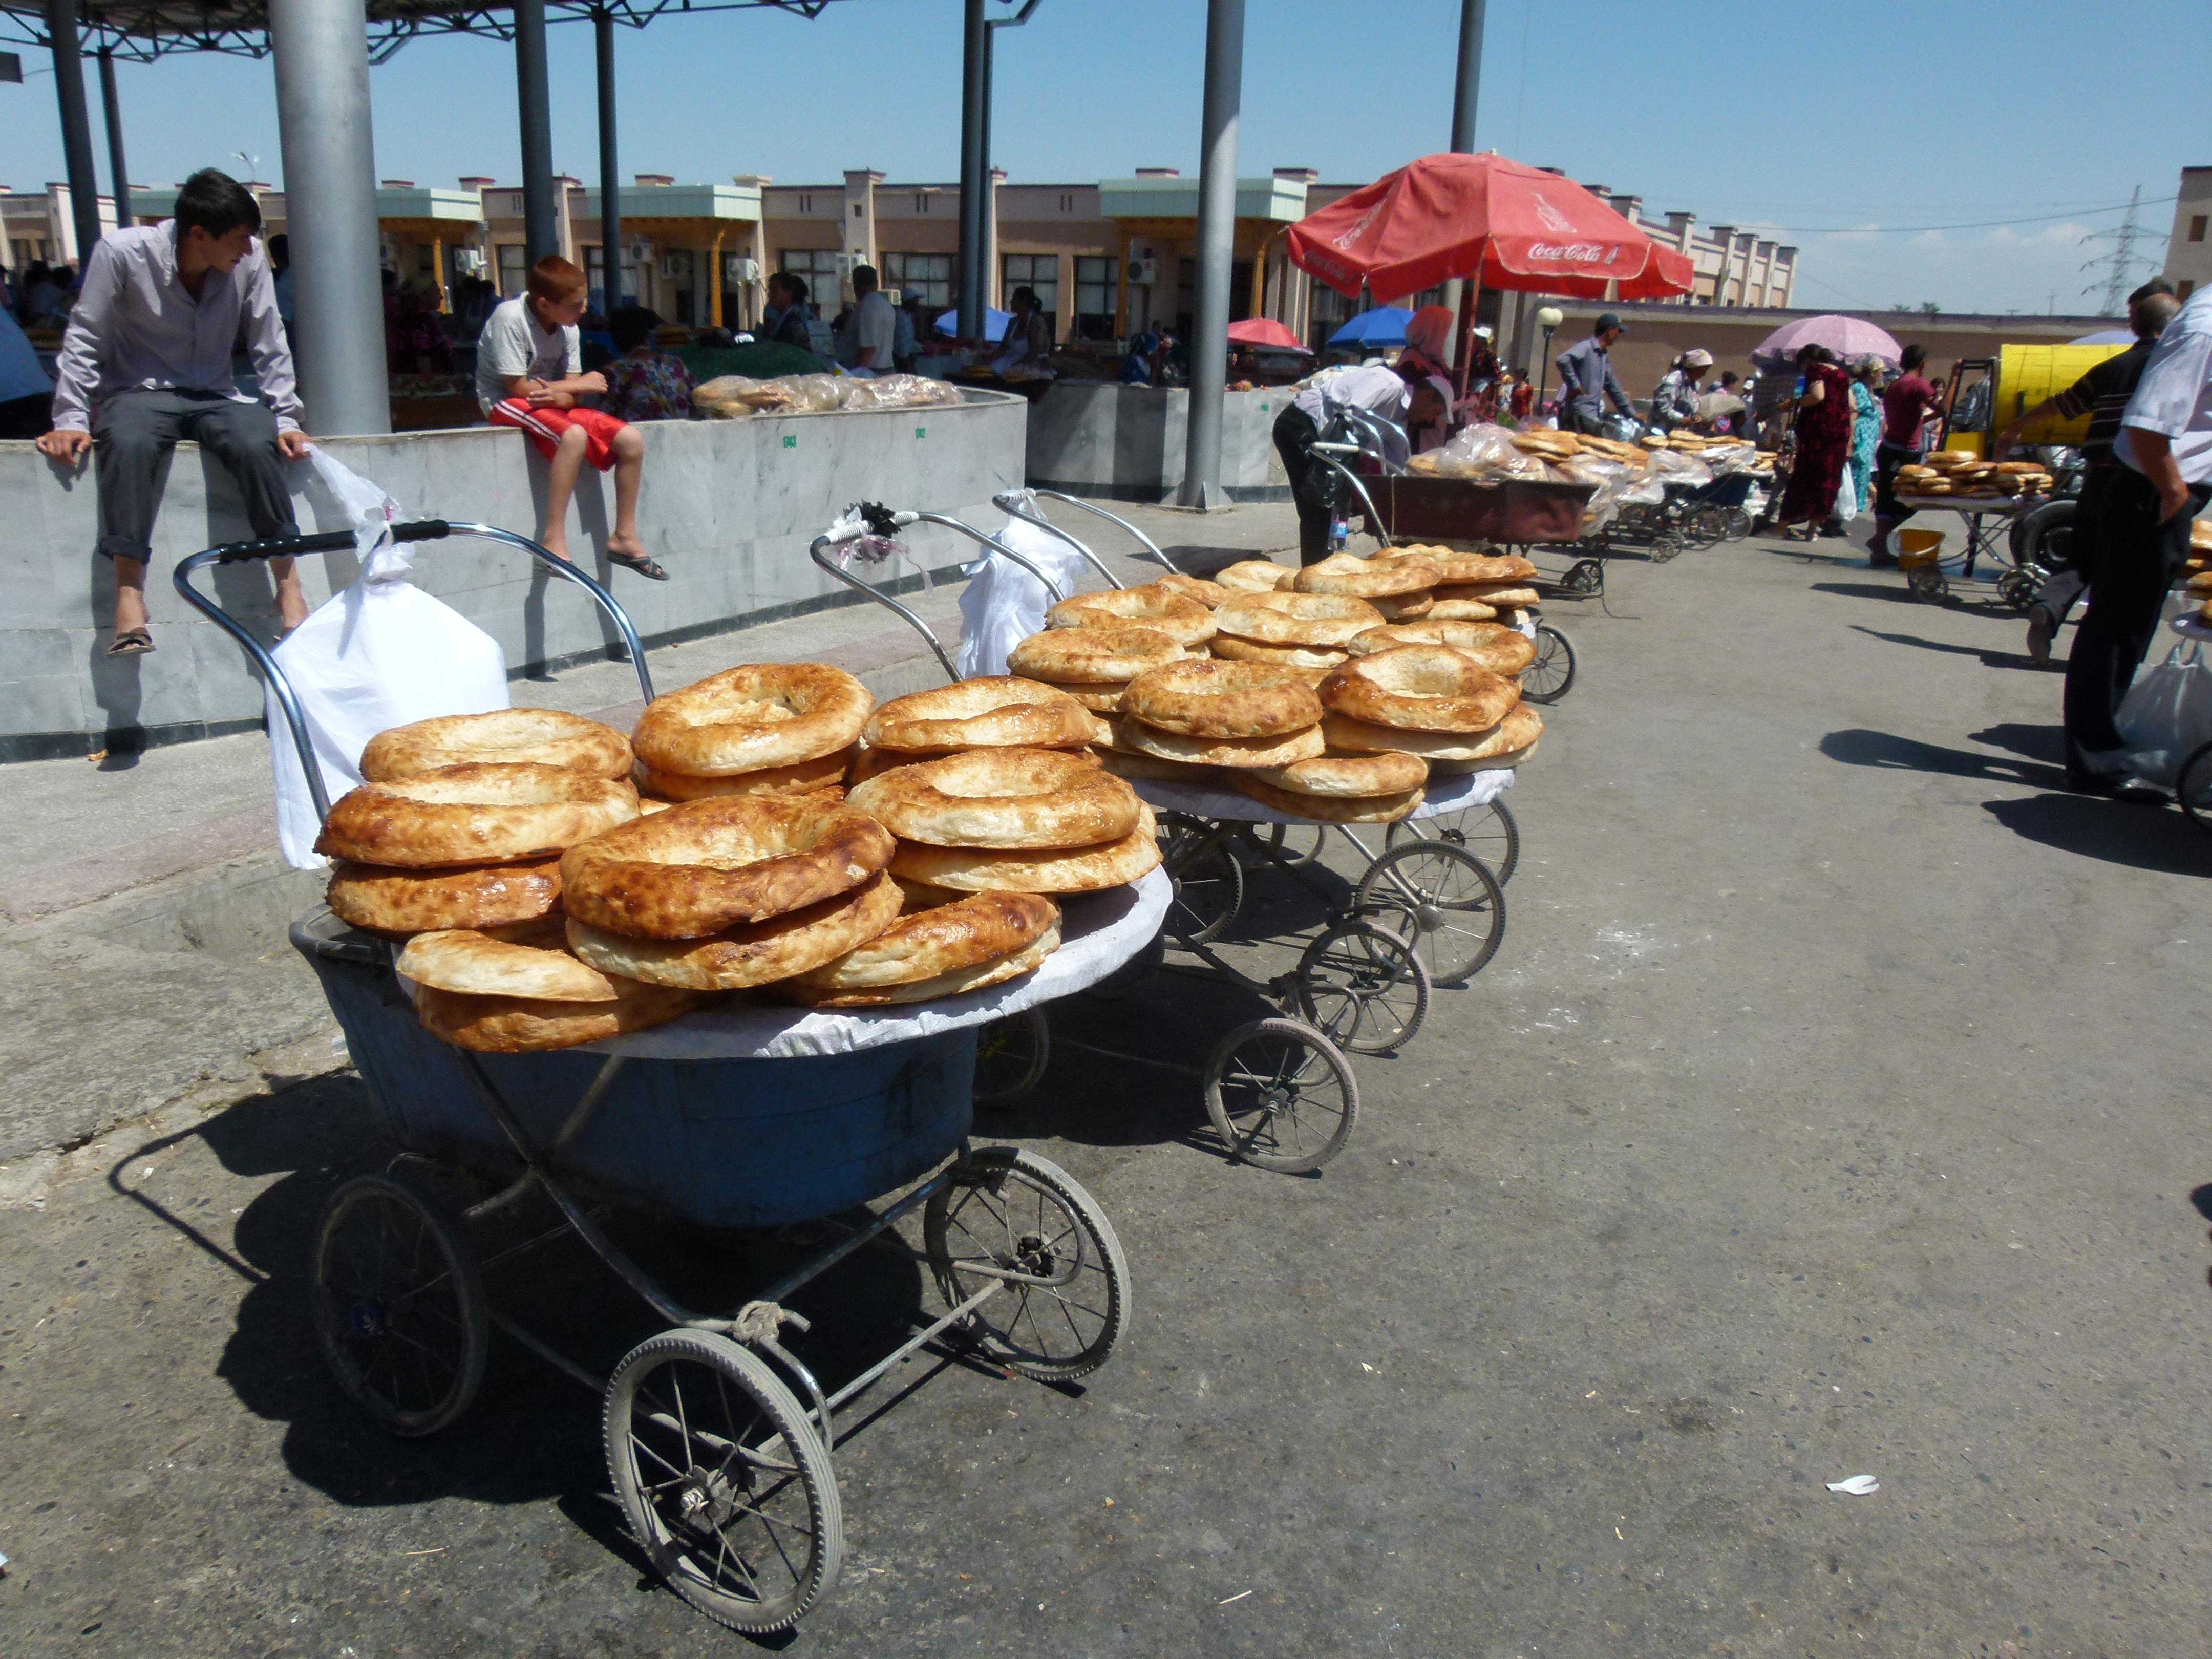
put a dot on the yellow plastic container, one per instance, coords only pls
(1918, 547)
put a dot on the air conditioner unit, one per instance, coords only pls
(640, 253)
(739, 268)
(468, 261)
(1144, 272)
(676, 267)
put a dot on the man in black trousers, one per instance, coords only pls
(2164, 447)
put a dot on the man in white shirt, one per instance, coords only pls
(2165, 445)
(1375, 387)
(873, 331)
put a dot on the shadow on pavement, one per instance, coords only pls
(1989, 658)
(1857, 746)
(2140, 837)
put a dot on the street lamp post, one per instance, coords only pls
(1548, 319)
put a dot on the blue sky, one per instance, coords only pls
(1864, 134)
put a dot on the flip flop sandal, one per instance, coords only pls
(644, 564)
(132, 642)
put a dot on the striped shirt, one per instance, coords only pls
(2102, 394)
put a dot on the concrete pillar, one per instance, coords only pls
(975, 165)
(603, 38)
(77, 126)
(1217, 233)
(320, 49)
(119, 169)
(534, 102)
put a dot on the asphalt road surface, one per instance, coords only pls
(1834, 1107)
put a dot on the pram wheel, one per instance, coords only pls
(1293, 843)
(724, 1484)
(2017, 589)
(399, 1304)
(1666, 545)
(1011, 1057)
(1705, 526)
(1443, 901)
(1551, 674)
(2192, 787)
(1363, 988)
(1209, 879)
(1927, 584)
(1488, 832)
(1007, 1214)
(1281, 1096)
(1738, 525)
(1584, 577)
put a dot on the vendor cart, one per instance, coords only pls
(1279, 1092)
(1990, 521)
(718, 1434)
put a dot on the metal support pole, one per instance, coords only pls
(1216, 236)
(321, 53)
(535, 102)
(1465, 90)
(76, 127)
(975, 169)
(603, 36)
(112, 109)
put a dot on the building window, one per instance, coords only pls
(1067, 202)
(1094, 298)
(927, 274)
(818, 269)
(1038, 270)
(2197, 228)
(595, 273)
(514, 269)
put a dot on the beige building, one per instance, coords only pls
(2188, 248)
(40, 224)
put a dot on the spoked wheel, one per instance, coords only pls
(1704, 526)
(1011, 1057)
(723, 1481)
(1665, 545)
(1927, 585)
(1209, 879)
(1363, 988)
(399, 1305)
(2192, 787)
(1281, 1096)
(1737, 525)
(1009, 1216)
(1584, 578)
(1488, 832)
(1443, 901)
(1293, 843)
(2017, 589)
(1551, 674)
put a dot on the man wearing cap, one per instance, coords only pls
(1675, 401)
(1586, 379)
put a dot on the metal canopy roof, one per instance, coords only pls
(146, 29)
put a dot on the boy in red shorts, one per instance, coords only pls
(529, 366)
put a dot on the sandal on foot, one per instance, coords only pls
(643, 564)
(132, 642)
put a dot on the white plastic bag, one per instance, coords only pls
(2167, 715)
(379, 655)
(1004, 605)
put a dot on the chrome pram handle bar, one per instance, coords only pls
(1020, 504)
(1151, 546)
(343, 541)
(876, 519)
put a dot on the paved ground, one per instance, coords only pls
(1826, 1112)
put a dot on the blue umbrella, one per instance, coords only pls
(994, 323)
(1385, 325)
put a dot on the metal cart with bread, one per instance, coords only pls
(774, 1126)
(1279, 1091)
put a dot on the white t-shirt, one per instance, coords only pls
(2174, 396)
(1374, 387)
(513, 343)
(874, 324)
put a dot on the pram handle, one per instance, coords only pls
(1019, 504)
(324, 541)
(343, 541)
(1152, 546)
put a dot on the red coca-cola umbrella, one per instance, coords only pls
(1487, 219)
(1482, 217)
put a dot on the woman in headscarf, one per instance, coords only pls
(1675, 402)
(1823, 433)
(1428, 341)
(1866, 434)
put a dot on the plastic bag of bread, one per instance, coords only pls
(733, 396)
(1474, 452)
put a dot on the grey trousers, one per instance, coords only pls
(133, 433)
